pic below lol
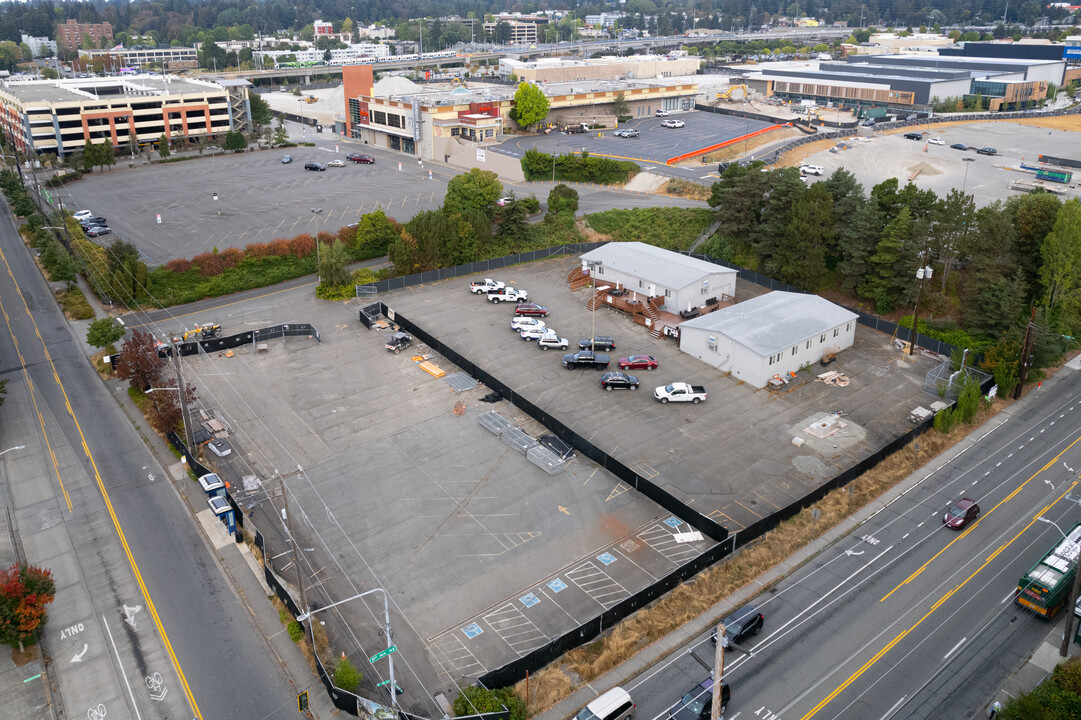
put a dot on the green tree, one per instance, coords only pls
(530, 105)
(261, 116)
(808, 239)
(435, 235)
(1003, 360)
(785, 188)
(375, 233)
(281, 135)
(128, 273)
(620, 106)
(346, 676)
(472, 700)
(513, 231)
(474, 190)
(235, 141)
(333, 257)
(163, 146)
(881, 285)
(107, 154)
(24, 593)
(950, 220)
(1032, 217)
(91, 153)
(562, 199)
(104, 331)
(1060, 273)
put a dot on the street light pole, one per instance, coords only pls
(1071, 600)
(593, 266)
(921, 274)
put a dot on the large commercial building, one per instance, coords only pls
(61, 116)
(69, 35)
(438, 121)
(39, 46)
(554, 69)
(911, 82)
(166, 58)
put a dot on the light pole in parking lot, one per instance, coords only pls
(594, 265)
(1071, 600)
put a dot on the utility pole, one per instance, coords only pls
(718, 674)
(1071, 601)
(297, 552)
(921, 273)
(188, 440)
(1023, 371)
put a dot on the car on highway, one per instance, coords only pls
(616, 704)
(959, 146)
(531, 310)
(601, 342)
(740, 625)
(519, 323)
(986, 151)
(618, 381)
(960, 513)
(811, 170)
(662, 113)
(672, 124)
(936, 141)
(638, 362)
(286, 159)
(317, 166)
(697, 703)
(336, 163)
(97, 231)
(550, 339)
(913, 136)
(362, 159)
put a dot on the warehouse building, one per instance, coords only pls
(61, 116)
(772, 334)
(683, 281)
(556, 69)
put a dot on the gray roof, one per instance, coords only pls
(648, 262)
(775, 321)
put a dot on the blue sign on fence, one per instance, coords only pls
(1071, 52)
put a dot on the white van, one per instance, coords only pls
(616, 704)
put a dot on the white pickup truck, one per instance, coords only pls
(680, 392)
(507, 294)
(486, 285)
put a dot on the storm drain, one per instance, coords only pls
(460, 382)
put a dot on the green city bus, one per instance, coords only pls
(1045, 588)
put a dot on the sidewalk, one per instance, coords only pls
(1025, 678)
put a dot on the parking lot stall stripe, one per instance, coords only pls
(632, 562)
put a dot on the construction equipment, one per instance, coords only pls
(199, 332)
(727, 94)
(311, 99)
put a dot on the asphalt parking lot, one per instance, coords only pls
(486, 554)
(942, 168)
(655, 144)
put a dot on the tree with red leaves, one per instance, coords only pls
(24, 593)
(139, 362)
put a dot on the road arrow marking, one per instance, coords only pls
(853, 552)
(129, 614)
(79, 655)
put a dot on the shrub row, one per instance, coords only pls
(577, 168)
(666, 227)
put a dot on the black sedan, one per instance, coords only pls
(601, 342)
(618, 381)
(97, 231)
(959, 146)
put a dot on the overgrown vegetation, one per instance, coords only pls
(668, 227)
(346, 676)
(472, 700)
(1056, 698)
(577, 168)
(688, 189)
(73, 303)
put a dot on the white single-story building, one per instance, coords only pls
(684, 282)
(769, 335)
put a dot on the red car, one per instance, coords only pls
(365, 159)
(958, 515)
(638, 362)
(531, 309)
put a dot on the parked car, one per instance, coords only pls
(534, 332)
(937, 141)
(336, 163)
(551, 340)
(662, 113)
(959, 146)
(680, 392)
(601, 342)
(91, 221)
(913, 136)
(486, 285)
(82, 214)
(220, 447)
(362, 159)
(960, 513)
(506, 294)
(519, 323)
(986, 151)
(672, 124)
(811, 170)
(531, 309)
(638, 362)
(286, 159)
(697, 703)
(631, 133)
(212, 149)
(618, 381)
(740, 625)
(504, 201)
(585, 358)
(97, 231)
(315, 166)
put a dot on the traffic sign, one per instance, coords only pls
(302, 701)
(383, 653)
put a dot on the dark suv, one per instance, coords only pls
(914, 136)
(986, 151)
(740, 625)
(601, 342)
(697, 704)
(314, 166)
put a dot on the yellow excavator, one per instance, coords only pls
(727, 94)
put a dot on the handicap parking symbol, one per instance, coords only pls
(472, 630)
(557, 585)
(607, 558)
(673, 522)
(529, 600)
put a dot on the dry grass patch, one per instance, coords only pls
(693, 598)
(687, 189)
